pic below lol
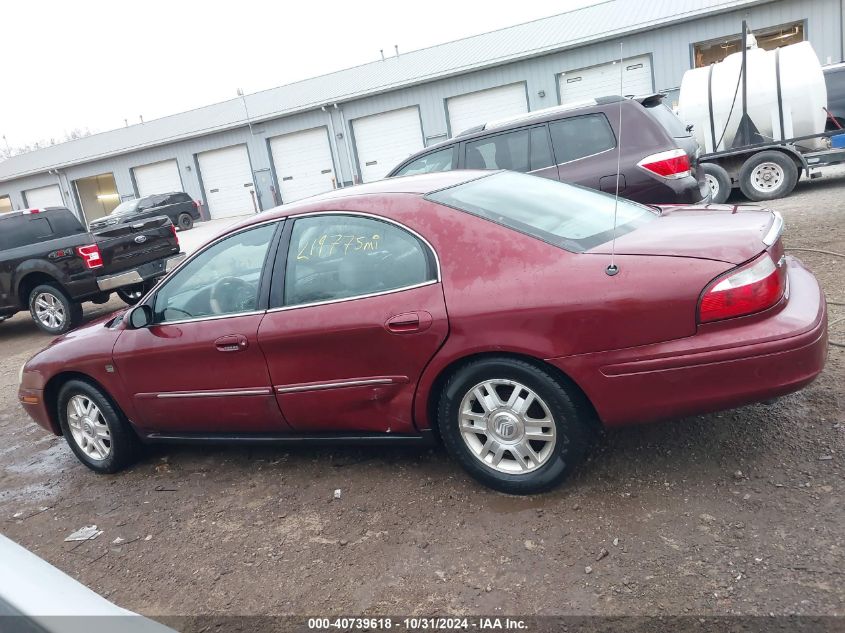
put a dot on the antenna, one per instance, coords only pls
(613, 269)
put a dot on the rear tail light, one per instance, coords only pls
(196, 204)
(751, 288)
(173, 230)
(90, 255)
(671, 164)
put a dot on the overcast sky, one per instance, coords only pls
(93, 63)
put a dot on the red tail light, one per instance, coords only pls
(90, 255)
(671, 164)
(173, 230)
(196, 204)
(30, 211)
(746, 290)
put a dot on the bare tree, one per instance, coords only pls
(7, 151)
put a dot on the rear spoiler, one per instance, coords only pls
(650, 100)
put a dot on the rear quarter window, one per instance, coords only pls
(668, 120)
(441, 160)
(580, 136)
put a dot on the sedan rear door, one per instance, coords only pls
(356, 313)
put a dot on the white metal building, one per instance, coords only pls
(354, 125)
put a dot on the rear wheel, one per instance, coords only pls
(97, 432)
(768, 175)
(718, 180)
(52, 310)
(185, 221)
(511, 425)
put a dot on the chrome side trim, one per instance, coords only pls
(335, 385)
(214, 394)
(775, 229)
(356, 297)
(209, 318)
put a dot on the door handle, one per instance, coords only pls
(231, 343)
(409, 322)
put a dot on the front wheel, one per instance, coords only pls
(768, 175)
(512, 425)
(97, 432)
(52, 310)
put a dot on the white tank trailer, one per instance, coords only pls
(759, 117)
(711, 98)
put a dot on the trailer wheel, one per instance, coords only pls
(718, 180)
(768, 175)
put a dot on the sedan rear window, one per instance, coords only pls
(567, 216)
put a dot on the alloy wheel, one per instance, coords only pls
(507, 426)
(88, 427)
(49, 310)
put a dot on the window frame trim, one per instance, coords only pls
(277, 287)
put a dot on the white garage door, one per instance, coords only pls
(303, 163)
(383, 140)
(160, 177)
(473, 109)
(227, 180)
(49, 196)
(604, 80)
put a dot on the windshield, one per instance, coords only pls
(125, 207)
(568, 216)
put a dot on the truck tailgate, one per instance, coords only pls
(127, 246)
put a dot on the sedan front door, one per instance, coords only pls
(357, 311)
(198, 368)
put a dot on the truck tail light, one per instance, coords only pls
(196, 204)
(751, 288)
(90, 255)
(672, 164)
(173, 230)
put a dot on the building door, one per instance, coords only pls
(49, 196)
(227, 182)
(382, 141)
(160, 177)
(475, 108)
(604, 80)
(303, 163)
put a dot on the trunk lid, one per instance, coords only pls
(727, 233)
(126, 246)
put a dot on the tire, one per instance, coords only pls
(52, 310)
(768, 175)
(551, 459)
(114, 452)
(130, 295)
(185, 222)
(718, 180)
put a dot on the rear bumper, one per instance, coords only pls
(724, 365)
(140, 274)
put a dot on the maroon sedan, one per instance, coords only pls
(474, 306)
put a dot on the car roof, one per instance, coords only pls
(417, 185)
(31, 211)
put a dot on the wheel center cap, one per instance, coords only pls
(505, 426)
(88, 429)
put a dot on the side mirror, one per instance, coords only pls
(140, 317)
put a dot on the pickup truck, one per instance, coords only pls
(50, 264)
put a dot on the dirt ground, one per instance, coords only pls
(739, 512)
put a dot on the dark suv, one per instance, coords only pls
(50, 264)
(177, 205)
(578, 144)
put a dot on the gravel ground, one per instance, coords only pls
(739, 512)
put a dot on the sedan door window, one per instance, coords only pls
(223, 279)
(504, 151)
(335, 257)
